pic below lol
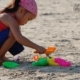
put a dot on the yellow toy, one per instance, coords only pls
(52, 62)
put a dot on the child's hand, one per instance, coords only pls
(40, 50)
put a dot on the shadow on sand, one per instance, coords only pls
(27, 66)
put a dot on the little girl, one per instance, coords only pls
(19, 12)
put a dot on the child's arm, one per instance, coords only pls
(14, 27)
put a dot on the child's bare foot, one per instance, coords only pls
(1, 61)
(5, 58)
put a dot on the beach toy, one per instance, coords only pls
(62, 62)
(40, 62)
(51, 62)
(36, 57)
(45, 61)
(10, 64)
(48, 51)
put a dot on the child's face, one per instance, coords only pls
(27, 17)
(24, 17)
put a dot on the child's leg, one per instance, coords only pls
(16, 48)
(7, 45)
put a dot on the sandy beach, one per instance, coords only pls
(57, 24)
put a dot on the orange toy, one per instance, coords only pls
(36, 57)
(48, 51)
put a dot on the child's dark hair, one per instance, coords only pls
(13, 7)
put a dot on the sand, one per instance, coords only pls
(57, 24)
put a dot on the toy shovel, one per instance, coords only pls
(48, 51)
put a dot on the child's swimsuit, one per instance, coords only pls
(4, 34)
(2, 26)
